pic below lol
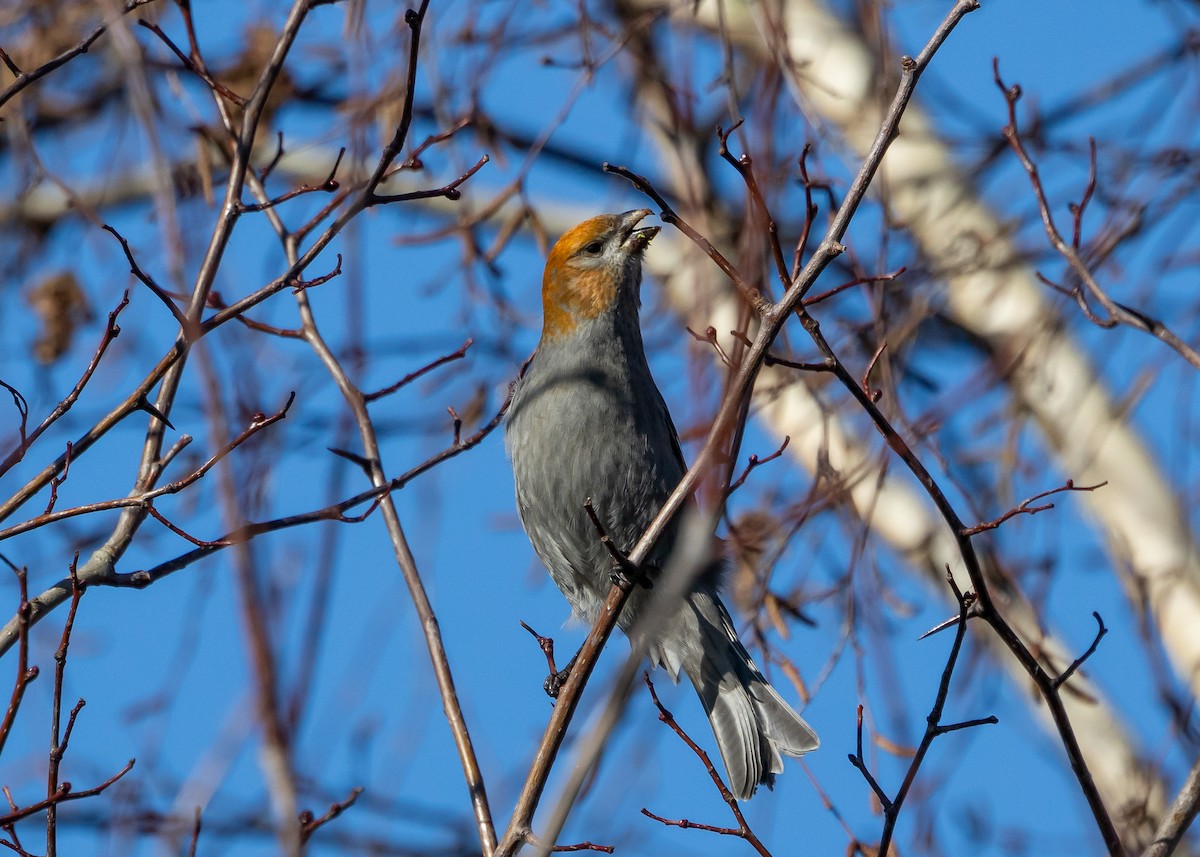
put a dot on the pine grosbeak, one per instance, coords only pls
(587, 420)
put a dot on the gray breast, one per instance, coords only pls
(589, 423)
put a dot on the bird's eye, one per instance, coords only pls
(594, 248)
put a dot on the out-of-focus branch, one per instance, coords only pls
(1178, 818)
(25, 78)
(275, 753)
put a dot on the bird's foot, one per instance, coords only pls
(555, 681)
(627, 575)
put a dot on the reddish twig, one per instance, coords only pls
(874, 393)
(1118, 313)
(25, 673)
(857, 281)
(329, 185)
(310, 825)
(546, 644)
(62, 795)
(810, 210)
(424, 370)
(303, 285)
(449, 191)
(668, 215)
(58, 748)
(179, 531)
(192, 65)
(710, 337)
(52, 500)
(111, 331)
(1025, 507)
(414, 162)
(215, 301)
(742, 831)
(755, 462)
(745, 169)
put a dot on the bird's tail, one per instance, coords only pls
(752, 723)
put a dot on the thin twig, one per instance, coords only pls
(1117, 312)
(667, 214)
(24, 79)
(1091, 650)
(63, 795)
(329, 185)
(742, 831)
(310, 825)
(459, 354)
(58, 748)
(1025, 507)
(25, 673)
(184, 324)
(755, 462)
(111, 331)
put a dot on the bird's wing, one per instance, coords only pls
(672, 434)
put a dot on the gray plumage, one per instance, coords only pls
(587, 420)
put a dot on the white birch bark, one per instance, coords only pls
(991, 293)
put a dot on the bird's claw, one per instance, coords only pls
(555, 682)
(628, 576)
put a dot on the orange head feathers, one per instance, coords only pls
(588, 267)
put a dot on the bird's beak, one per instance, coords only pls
(636, 239)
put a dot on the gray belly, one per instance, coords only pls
(581, 435)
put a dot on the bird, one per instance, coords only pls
(587, 422)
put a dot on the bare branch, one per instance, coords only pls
(24, 79)
(742, 831)
(1118, 312)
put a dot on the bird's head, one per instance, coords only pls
(592, 269)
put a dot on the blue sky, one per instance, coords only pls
(372, 719)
